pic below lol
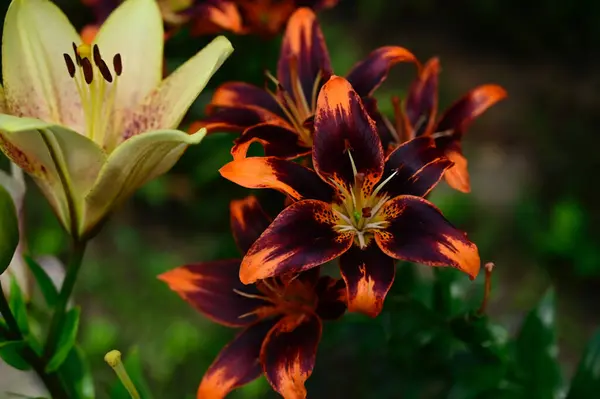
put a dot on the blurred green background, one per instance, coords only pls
(533, 209)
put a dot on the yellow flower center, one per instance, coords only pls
(97, 88)
(294, 104)
(359, 208)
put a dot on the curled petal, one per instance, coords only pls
(132, 164)
(36, 81)
(457, 176)
(240, 94)
(301, 237)
(248, 221)
(418, 232)
(289, 352)
(140, 44)
(278, 141)
(288, 177)
(369, 274)
(165, 106)
(460, 115)
(237, 364)
(422, 100)
(304, 54)
(418, 166)
(214, 289)
(344, 133)
(332, 297)
(367, 75)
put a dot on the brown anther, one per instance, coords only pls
(96, 54)
(77, 56)
(118, 64)
(366, 212)
(103, 68)
(88, 71)
(359, 179)
(70, 64)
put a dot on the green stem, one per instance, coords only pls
(52, 380)
(63, 298)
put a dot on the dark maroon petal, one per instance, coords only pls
(240, 94)
(418, 165)
(289, 352)
(278, 141)
(209, 287)
(459, 116)
(343, 129)
(248, 221)
(369, 74)
(369, 274)
(332, 298)
(304, 56)
(234, 119)
(422, 100)
(418, 232)
(386, 131)
(237, 364)
(288, 177)
(301, 237)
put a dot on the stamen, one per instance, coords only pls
(77, 56)
(270, 287)
(489, 267)
(70, 64)
(88, 71)
(343, 217)
(97, 57)
(443, 133)
(315, 90)
(118, 64)
(104, 71)
(383, 183)
(251, 296)
(361, 239)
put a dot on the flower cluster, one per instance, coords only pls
(355, 186)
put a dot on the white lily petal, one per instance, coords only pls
(36, 81)
(134, 30)
(165, 107)
(3, 108)
(63, 163)
(132, 164)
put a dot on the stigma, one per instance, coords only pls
(97, 87)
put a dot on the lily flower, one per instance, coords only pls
(281, 120)
(418, 118)
(91, 124)
(357, 205)
(281, 318)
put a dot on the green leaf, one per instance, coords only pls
(482, 337)
(18, 307)
(76, 370)
(536, 351)
(10, 352)
(9, 229)
(44, 281)
(133, 365)
(586, 382)
(66, 339)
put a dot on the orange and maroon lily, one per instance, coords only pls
(282, 120)
(281, 317)
(418, 118)
(357, 204)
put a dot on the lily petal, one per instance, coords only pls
(457, 176)
(36, 81)
(134, 30)
(164, 107)
(300, 238)
(214, 16)
(418, 166)
(344, 132)
(303, 55)
(285, 176)
(332, 297)
(240, 94)
(460, 115)
(63, 163)
(237, 364)
(3, 107)
(367, 75)
(235, 119)
(210, 287)
(369, 274)
(248, 221)
(422, 100)
(278, 141)
(418, 232)
(131, 165)
(289, 352)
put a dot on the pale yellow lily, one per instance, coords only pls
(91, 124)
